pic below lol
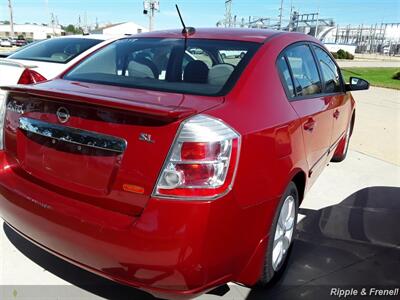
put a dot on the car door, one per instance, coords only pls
(334, 93)
(308, 101)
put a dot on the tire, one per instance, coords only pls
(271, 267)
(343, 146)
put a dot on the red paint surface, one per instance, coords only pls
(168, 247)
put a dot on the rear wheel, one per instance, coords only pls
(281, 235)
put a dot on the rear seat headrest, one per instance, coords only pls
(196, 72)
(219, 74)
(139, 70)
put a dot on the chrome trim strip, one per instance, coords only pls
(197, 162)
(76, 136)
(334, 145)
(326, 153)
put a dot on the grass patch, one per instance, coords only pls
(382, 77)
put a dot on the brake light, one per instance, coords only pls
(202, 161)
(29, 76)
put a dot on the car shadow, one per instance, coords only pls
(355, 243)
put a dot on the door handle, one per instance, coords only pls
(336, 114)
(309, 125)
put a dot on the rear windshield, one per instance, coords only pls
(58, 50)
(205, 67)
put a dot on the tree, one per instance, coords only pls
(72, 29)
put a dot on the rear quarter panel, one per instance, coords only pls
(9, 74)
(272, 149)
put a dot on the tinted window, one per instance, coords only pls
(330, 72)
(285, 76)
(200, 54)
(305, 73)
(57, 50)
(232, 57)
(165, 64)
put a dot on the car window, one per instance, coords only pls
(165, 64)
(232, 57)
(57, 50)
(330, 72)
(305, 73)
(285, 76)
(201, 54)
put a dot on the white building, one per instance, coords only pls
(332, 47)
(125, 28)
(31, 31)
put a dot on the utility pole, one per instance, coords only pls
(316, 25)
(290, 26)
(149, 8)
(85, 28)
(11, 19)
(228, 13)
(53, 24)
(280, 15)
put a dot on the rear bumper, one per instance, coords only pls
(175, 248)
(164, 293)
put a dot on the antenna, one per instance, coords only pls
(186, 31)
(180, 16)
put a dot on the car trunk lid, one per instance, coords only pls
(102, 145)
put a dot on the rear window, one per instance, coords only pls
(194, 67)
(58, 50)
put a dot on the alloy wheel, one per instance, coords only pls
(283, 232)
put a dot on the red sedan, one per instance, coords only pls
(161, 163)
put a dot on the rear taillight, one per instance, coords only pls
(3, 98)
(202, 161)
(29, 76)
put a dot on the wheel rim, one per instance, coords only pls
(283, 232)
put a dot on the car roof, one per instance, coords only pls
(236, 34)
(86, 36)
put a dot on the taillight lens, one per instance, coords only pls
(202, 161)
(29, 76)
(3, 98)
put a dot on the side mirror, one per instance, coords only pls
(357, 84)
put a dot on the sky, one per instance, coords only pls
(197, 13)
